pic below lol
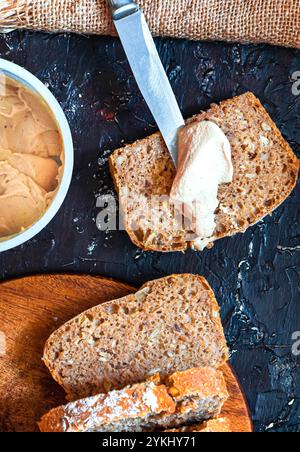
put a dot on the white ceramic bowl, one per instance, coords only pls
(28, 79)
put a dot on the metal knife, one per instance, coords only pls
(148, 70)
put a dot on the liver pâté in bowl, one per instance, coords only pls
(36, 155)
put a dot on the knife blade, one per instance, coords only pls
(148, 70)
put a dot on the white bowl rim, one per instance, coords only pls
(20, 73)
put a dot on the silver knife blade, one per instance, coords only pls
(150, 76)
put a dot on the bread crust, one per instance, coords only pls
(88, 414)
(147, 405)
(219, 425)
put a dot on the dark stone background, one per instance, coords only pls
(255, 276)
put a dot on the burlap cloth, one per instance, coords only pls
(271, 21)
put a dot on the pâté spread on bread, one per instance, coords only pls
(204, 162)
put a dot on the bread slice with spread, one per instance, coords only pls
(265, 173)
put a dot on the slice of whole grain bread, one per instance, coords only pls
(265, 173)
(110, 412)
(171, 324)
(190, 396)
(199, 394)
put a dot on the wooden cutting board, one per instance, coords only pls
(31, 309)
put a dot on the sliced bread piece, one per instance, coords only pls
(219, 425)
(265, 173)
(120, 410)
(199, 394)
(190, 396)
(143, 175)
(170, 324)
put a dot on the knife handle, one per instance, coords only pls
(122, 8)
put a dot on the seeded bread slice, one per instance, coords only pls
(220, 425)
(189, 396)
(170, 324)
(265, 173)
(127, 407)
(199, 394)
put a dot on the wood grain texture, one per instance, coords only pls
(31, 309)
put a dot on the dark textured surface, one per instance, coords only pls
(255, 276)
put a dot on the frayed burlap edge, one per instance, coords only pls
(269, 21)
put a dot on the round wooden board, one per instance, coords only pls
(31, 309)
